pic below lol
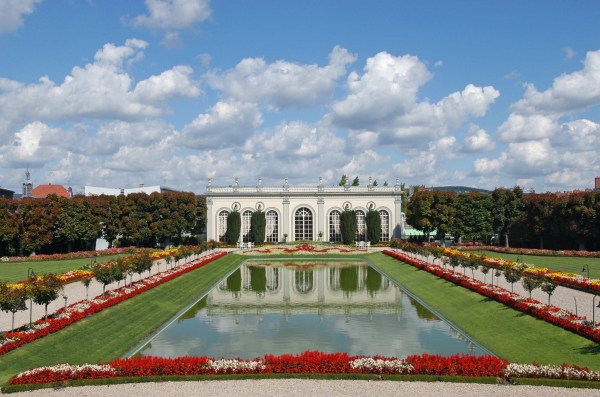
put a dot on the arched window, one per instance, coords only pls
(335, 233)
(223, 226)
(246, 218)
(303, 281)
(303, 224)
(272, 279)
(385, 225)
(362, 227)
(272, 232)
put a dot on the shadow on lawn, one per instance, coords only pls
(592, 348)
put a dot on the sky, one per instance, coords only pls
(118, 93)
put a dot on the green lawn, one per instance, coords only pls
(14, 272)
(114, 331)
(508, 333)
(569, 264)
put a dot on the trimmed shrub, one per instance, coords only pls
(234, 226)
(373, 220)
(348, 226)
(258, 226)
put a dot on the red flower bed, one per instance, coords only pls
(554, 315)
(80, 310)
(76, 255)
(532, 251)
(310, 362)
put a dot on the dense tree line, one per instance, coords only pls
(546, 220)
(55, 224)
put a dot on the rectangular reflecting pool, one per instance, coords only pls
(282, 307)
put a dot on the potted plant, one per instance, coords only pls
(321, 235)
(285, 237)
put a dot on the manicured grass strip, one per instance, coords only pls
(114, 331)
(556, 263)
(508, 333)
(17, 271)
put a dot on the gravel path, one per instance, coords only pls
(295, 387)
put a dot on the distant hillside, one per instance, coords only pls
(461, 189)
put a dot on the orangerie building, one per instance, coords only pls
(303, 212)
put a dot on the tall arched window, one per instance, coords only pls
(335, 233)
(223, 225)
(362, 227)
(272, 232)
(246, 218)
(385, 225)
(303, 224)
(304, 281)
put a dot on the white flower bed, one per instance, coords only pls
(224, 365)
(368, 364)
(69, 369)
(549, 371)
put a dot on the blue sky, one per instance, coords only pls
(118, 93)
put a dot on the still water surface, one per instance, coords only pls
(290, 307)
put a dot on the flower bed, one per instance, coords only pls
(300, 249)
(554, 315)
(82, 309)
(310, 362)
(532, 251)
(73, 255)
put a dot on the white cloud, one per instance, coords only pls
(515, 74)
(172, 40)
(438, 64)
(487, 167)
(173, 14)
(569, 53)
(384, 100)
(28, 146)
(282, 84)
(225, 124)
(204, 59)
(12, 11)
(477, 140)
(571, 178)
(520, 128)
(112, 136)
(569, 92)
(100, 90)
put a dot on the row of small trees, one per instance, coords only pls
(56, 224)
(512, 275)
(559, 221)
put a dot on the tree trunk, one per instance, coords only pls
(13, 323)
(541, 242)
(46, 315)
(506, 240)
(69, 247)
(582, 246)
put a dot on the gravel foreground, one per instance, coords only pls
(297, 387)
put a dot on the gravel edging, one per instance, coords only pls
(296, 387)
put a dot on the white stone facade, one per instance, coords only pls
(303, 213)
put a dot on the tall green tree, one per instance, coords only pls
(76, 222)
(343, 181)
(508, 207)
(444, 212)
(356, 182)
(258, 226)
(234, 226)
(348, 226)
(136, 218)
(473, 216)
(421, 212)
(373, 220)
(539, 210)
(108, 210)
(577, 216)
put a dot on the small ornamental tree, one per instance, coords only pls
(234, 226)
(119, 269)
(512, 277)
(45, 289)
(530, 284)
(548, 286)
(258, 227)
(103, 273)
(12, 299)
(373, 220)
(348, 226)
(485, 270)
